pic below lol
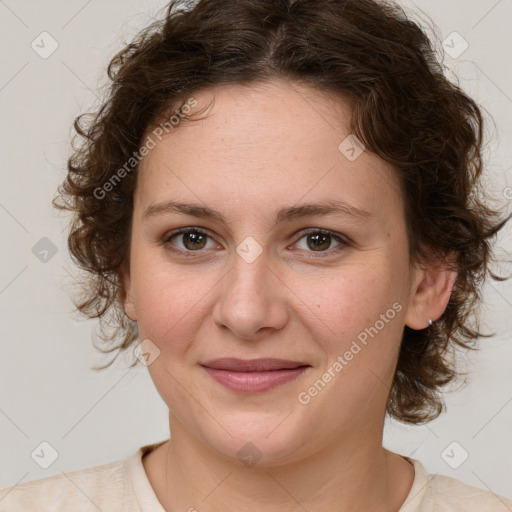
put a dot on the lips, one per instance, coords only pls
(253, 376)
(252, 365)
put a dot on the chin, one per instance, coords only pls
(257, 440)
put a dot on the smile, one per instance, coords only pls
(252, 376)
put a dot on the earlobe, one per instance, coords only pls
(129, 308)
(430, 296)
(127, 295)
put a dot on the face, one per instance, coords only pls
(283, 246)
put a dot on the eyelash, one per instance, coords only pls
(343, 241)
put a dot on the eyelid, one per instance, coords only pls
(343, 241)
(185, 229)
(334, 234)
(188, 229)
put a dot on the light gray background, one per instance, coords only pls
(48, 391)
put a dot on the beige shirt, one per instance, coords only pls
(123, 486)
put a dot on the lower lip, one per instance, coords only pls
(253, 382)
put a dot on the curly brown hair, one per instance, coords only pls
(404, 109)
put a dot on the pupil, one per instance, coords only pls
(320, 241)
(194, 241)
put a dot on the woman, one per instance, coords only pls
(281, 201)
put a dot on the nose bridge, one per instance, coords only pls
(249, 276)
(250, 299)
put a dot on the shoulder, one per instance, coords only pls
(95, 488)
(439, 493)
(455, 495)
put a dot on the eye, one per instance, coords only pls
(191, 239)
(187, 241)
(320, 241)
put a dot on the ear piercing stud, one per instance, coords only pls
(430, 321)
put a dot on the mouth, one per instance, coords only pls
(254, 375)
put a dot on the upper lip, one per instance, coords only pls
(252, 365)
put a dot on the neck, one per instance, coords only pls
(352, 475)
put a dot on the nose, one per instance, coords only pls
(252, 299)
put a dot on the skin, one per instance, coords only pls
(258, 150)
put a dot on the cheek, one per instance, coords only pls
(170, 303)
(357, 323)
(342, 304)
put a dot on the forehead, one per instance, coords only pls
(274, 142)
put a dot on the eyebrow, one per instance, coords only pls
(283, 215)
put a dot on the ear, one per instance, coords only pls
(127, 294)
(430, 293)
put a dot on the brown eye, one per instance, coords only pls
(194, 240)
(188, 240)
(319, 242)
